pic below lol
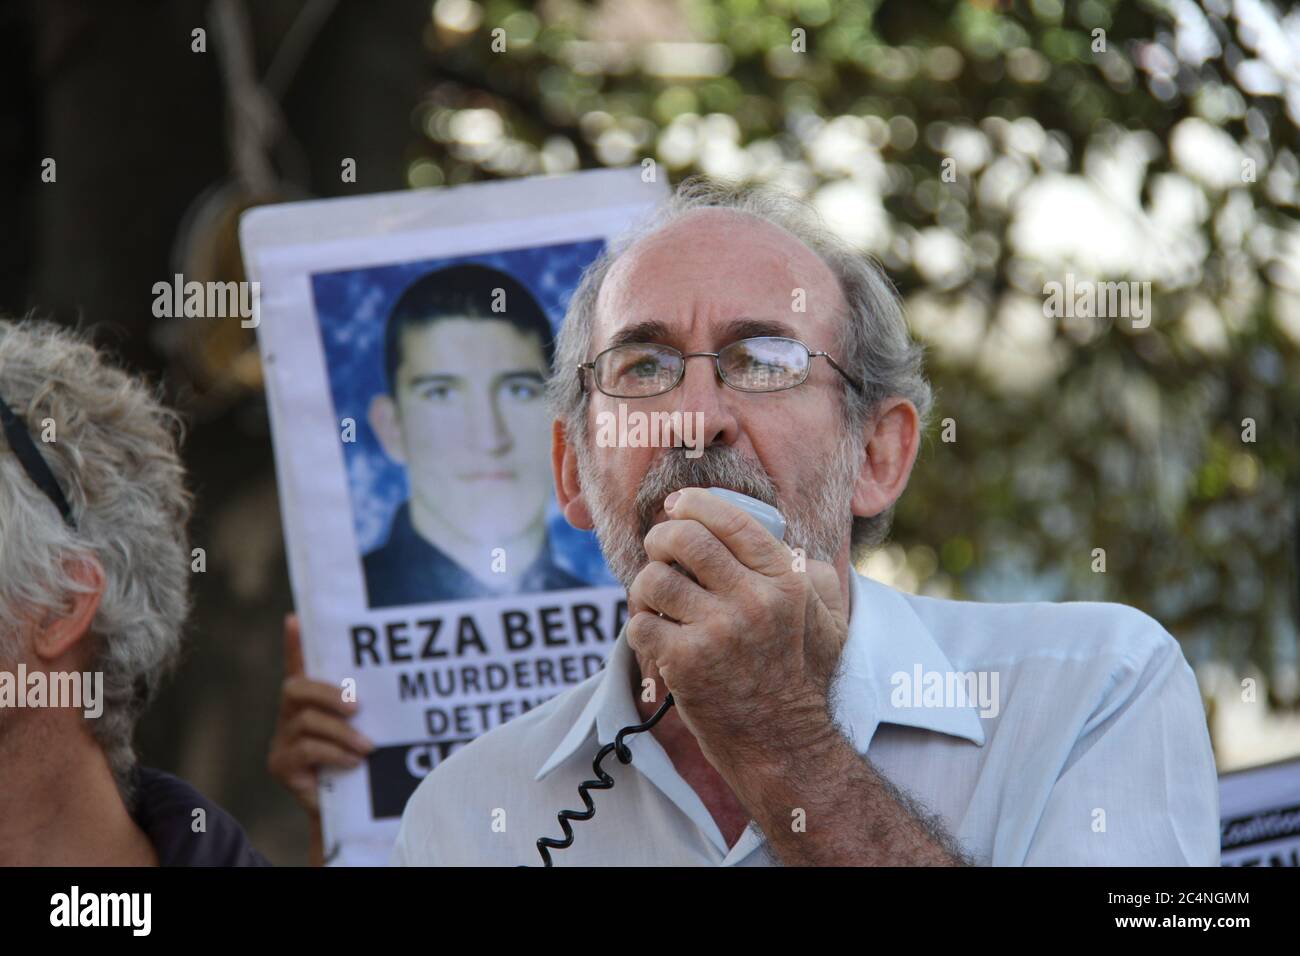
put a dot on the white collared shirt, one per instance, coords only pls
(1041, 734)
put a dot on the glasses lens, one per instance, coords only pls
(635, 371)
(764, 364)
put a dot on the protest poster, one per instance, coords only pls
(405, 338)
(1259, 813)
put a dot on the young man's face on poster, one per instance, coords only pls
(469, 421)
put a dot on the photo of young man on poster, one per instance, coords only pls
(466, 351)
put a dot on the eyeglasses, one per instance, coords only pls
(765, 363)
(29, 456)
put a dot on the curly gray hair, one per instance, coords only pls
(114, 454)
(875, 346)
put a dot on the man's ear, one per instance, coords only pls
(892, 440)
(568, 489)
(61, 630)
(387, 426)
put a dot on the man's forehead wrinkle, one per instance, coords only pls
(760, 267)
(740, 327)
(725, 230)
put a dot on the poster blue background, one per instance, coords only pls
(352, 308)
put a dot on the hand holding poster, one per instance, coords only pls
(406, 339)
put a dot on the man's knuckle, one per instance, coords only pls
(653, 537)
(733, 523)
(300, 723)
(698, 547)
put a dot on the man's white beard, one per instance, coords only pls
(819, 519)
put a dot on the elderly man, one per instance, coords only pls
(821, 718)
(94, 585)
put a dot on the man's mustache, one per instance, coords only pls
(720, 466)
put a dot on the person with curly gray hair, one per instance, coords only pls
(94, 594)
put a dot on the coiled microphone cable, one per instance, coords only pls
(603, 781)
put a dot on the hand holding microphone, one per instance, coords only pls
(774, 523)
(745, 635)
(761, 511)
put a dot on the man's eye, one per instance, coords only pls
(646, 368)
(523, 389)
(436, 393)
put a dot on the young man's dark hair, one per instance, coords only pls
(464, 292)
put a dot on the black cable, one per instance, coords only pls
(603, 782)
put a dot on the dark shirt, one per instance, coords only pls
(164, 810)
(410, 570)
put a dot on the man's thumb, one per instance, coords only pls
(292, 646)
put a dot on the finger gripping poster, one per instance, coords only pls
(406, 340)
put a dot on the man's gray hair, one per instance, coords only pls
(874, 345)
(114, 453)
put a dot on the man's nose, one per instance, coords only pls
(488, 431)
(702, 393)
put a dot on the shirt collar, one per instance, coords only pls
(886, 639)
(611, 706)
(889, 647)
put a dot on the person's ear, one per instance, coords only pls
(61, 630)
(387, 425)
(892, 439)
(568, 489)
